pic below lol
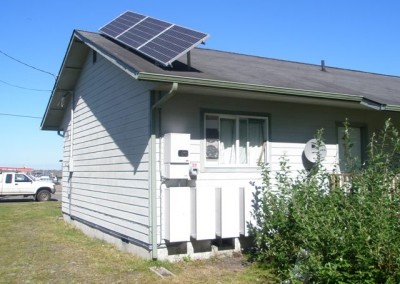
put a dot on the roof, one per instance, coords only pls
(221, 69)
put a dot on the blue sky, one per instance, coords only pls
(359, 35)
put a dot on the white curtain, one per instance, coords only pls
(227, 141)
(256, 139)
(243, 134)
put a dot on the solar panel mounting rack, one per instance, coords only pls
(164, 42)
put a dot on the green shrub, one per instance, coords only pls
(308, 229)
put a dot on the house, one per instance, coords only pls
(158, 160)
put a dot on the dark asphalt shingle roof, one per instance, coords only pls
(233, 67)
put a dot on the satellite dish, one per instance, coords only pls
(311, 151)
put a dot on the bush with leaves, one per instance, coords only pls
(309, 229)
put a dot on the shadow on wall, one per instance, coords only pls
(120, 129)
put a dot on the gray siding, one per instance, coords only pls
(110, 181)
(290, 127)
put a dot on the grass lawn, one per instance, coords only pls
(37, 246)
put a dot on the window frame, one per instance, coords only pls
(207, 165)
(25, 179)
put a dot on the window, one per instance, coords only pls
(356, 151)
(9, 178)
(21, 178)
(235, 140)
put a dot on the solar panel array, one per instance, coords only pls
(159, 40)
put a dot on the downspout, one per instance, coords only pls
(71, 138)
(166, 97)
(71, 152)
(153, 192)
(155, 130)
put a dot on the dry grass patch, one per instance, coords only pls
(37, 246)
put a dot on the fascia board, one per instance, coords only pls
(144, 76)
(52, 96)
(395, 108)
(76, 35)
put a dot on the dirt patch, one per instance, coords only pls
(236, 262)
(225, 269)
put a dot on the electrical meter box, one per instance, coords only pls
(176, 155)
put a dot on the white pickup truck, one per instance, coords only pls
(15, 183)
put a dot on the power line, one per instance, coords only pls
(30, 89)
(18, 115)
(28, 65)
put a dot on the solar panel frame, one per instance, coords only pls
(159, 40)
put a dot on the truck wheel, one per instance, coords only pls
(43, 195)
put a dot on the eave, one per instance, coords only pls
(138, 68)
(70, 70)
(247, 87)
(395, 108)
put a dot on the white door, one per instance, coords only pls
(23, 184)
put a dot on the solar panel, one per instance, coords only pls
(119, 25)
(159, 40)
(142, 32)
